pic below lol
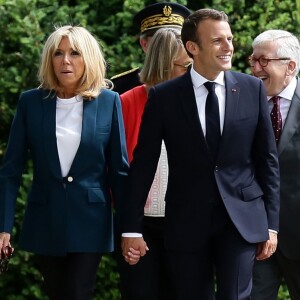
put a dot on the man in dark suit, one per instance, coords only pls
(148, 21)
(275, 59)
(223, 192)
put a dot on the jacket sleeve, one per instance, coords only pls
(117, 156)
(12, 167)
(266, 157)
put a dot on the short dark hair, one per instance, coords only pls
(190, 24)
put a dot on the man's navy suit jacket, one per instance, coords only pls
(245, 171)
(72, 214)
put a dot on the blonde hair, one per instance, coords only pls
(163, 50)
(81, 40)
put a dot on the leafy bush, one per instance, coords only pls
(25, 24)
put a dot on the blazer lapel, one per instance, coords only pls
(292, 120)
(232, 97)
(87, 134)
(190, 110)
(49, 131)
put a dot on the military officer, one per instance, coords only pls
(148, 20)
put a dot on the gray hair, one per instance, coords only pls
(288, 44)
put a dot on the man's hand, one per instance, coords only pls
(133, 248)
(4, 240)
(266, 249)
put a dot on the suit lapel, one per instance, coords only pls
(190, 110)
(231, 100)
(49, 132)
(189, 107)
(87, 133)
(232, 97)
(292, 120)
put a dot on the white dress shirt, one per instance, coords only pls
(201, 95)
(286, 97)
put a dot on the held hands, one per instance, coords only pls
(133, 248)
(4, 241)
(267, 248)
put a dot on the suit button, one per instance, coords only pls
(216, 168)
(70, 178)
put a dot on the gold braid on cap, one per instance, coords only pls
(157, 21)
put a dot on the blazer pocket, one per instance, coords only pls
(252, 192)
(103, 130)
(96, 195)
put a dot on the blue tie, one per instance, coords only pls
(213, 132)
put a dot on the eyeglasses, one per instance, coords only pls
(263, 61)
(183, 66)
(6, 254)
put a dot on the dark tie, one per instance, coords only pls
(212, 118)
(276, 117)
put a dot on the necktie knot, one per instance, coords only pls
(276, 100)
(210, 86)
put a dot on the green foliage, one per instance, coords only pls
(24, 26)
(283, 293)
(107, 285)
(250, 18)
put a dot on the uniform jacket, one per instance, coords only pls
(126, 81)
(289, 161)
(71, 214)
(246, 169)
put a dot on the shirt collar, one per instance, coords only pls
(289, 90)
(198, 80)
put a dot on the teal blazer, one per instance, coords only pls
(75, 213)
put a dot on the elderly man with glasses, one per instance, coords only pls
(275, 60)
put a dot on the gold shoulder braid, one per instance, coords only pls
(124, 73)
(160, 20)
(161, 15)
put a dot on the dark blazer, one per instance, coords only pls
(289, 161)
(246, 169)
(72, 214)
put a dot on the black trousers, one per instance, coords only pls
(220, 269)
(269, 274)
(70, 277)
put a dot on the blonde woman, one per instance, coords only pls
(165, 59)
(71, 127)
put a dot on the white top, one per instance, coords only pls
(155, 205)
(68, 130)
